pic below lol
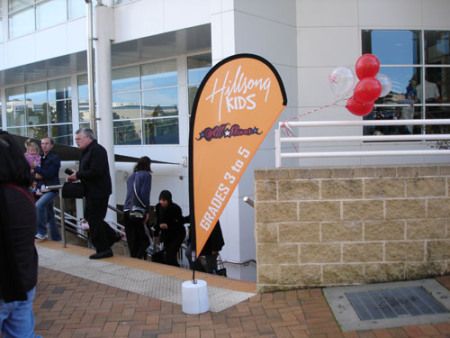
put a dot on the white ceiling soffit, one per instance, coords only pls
(135, 51)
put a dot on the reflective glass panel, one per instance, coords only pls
(37, 132)
(126, 105)
(62, 133)
(60, 111)
(59, 89)
(1, 30)
(161, 131)
(160, 74)
(437, 47)
(77, 9)
(127, 132)
(14, 5)
(393, 46)
(404, 84)
(437, 86)
(36, 98)
(15, 106)
(198, 66)
(21, 23)
(83, 99)
(22, 131)
(50, 13)
(162, 102)
(404, 112)
(125, 79)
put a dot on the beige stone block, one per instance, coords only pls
(405, 209)
(341, 231)
(384, 272)
(363, 252)
(363, 210)
(310, 173)
(365, 172)
(267, 232)
(320, 253)
(341, 189)
(386, 172)
(298, 190)
(384, 188)
(438, 250)
(268, 273)
(277, 253)
(334, 274)
(423, 187)
(319, 211)
(266, 190)
(425, 270)
(300, 275)
(408, 172)
(426, 228)
(384, 230)
(271, 174)
(444, 170)
(270, 212)
(439, 207)
(405, 251)
(299, 232)
(343, 173)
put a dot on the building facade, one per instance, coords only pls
(150, 57)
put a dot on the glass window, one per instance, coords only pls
(145, 104)
(77, 9)
(393, 46)
(126, 105)
(127, 132)
(83, 99)
(16, 5)
(420, 83)
(198, 66)
(50, 13)
(158, 103)
(160, 74)
(36, 98)
(41, 109)
(125, 79)
(21, 23)
(15, 106)
(161, 131)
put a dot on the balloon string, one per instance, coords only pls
(287, 130)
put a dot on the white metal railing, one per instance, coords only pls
(279, 140)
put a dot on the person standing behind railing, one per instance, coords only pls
(136, 207)
(18, 256)
(47, 173)
(96, 179)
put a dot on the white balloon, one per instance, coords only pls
(341, 80)
(386, 84)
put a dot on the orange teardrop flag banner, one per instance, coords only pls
(236, 105)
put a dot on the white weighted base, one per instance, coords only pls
(194, 297)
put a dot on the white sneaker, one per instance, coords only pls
(40, 237)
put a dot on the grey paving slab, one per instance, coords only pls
(348, 318)
(146, 283)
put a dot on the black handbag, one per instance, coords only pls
(73, 190)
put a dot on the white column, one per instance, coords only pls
(104, 35)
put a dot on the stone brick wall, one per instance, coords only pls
(318, 227)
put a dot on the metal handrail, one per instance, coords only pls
(309, 139)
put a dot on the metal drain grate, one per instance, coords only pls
(394, 303)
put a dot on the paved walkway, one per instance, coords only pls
(71, 304)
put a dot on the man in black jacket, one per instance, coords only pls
(94, 174)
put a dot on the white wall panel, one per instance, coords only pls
(327, 13)
(390, 13)
(436, 14)
(330, 47)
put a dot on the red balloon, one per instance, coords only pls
(359, 108)
(367, 90)
(367, 65)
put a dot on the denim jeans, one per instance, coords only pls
(16, 318)
(46, 214)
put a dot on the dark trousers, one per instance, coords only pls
(172, 244)
(102, 235)
(137, 239)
